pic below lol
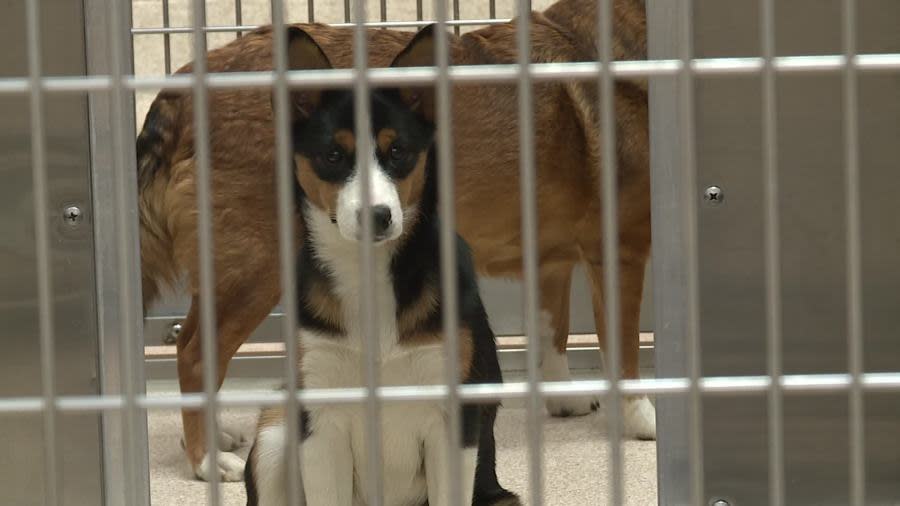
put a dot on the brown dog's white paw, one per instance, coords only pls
(639, 417)
(229, 466)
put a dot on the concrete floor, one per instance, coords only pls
(576, 466)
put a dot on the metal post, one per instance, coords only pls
(42, 239)
(687, 128)
(368, 314)
(449, 284)
(287, 250)
(773, 255)
(611, 302)
(208, 328)
(529, 251)
(854, 259)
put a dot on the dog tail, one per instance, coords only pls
(155, 146)
(629, 24)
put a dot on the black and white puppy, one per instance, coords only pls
(403, 197)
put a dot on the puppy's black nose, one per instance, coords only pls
(381, 220)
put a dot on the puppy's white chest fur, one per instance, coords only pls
(340, 362)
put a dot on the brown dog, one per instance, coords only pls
(567, 143)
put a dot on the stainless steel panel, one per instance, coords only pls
(813, 232)
(68, 163)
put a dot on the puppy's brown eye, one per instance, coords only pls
(397, 153)
(334, 156)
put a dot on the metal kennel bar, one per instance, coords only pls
(483, 74)
(530, 254)
(854, 261)
(772, 260)
(42, 238)
(741, 386)
(208, 327)
(133, 424)
(287, 250)
(609, 185)
(449, 284)
(686, 106)
(367, 307)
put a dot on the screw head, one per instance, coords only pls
(73, 215)
(720, 502)
(173, 333)
(714, 195)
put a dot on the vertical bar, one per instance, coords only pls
(449, 294)
(126, 219)
(686, 115)
(455, 15)
(238, 16)
(287, 250)
(669, 261)
(106, 171)
(167, 42)
(418, 10)
(311, 11)
(610, 246)
(492, 9)
(42, 245)
(205, 240)
(383, 10)
(772, 255)
(346, 11)
(529, 251)
(854, 260)
(368, 315)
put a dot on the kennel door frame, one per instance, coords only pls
(105, 117)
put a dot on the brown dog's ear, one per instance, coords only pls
(420, 52)
(303, 53)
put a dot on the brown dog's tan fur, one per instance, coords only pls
(486, 152)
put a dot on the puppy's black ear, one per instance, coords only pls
(420, 52)
(303, 53)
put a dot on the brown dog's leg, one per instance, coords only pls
(237, 318)
(639, 416)
(556, 280)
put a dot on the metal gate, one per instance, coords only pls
(776, 250)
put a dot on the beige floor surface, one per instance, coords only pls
(576, 466)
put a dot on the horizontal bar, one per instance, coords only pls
(473, 74)
(373, 24)
(800, 383)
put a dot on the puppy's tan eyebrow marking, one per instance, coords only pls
(320, 193)
(386, 137)
(346, 140)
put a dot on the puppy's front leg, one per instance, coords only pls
(327, 466)
(436, 468)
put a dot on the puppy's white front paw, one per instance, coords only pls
(229, 466)
(230, 440)
(639, 417)
(571, 406)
